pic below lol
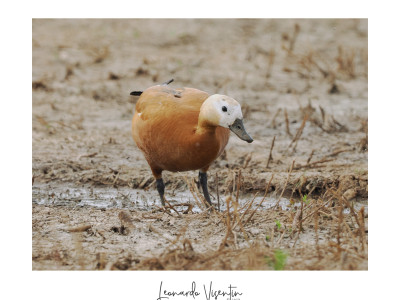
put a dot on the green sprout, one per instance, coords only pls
(278, 261)
(278, 224)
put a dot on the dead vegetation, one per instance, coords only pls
(313, 232)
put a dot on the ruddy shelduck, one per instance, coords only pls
(184, 129)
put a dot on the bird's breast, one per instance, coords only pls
(179, 148)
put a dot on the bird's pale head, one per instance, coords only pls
(224, 111)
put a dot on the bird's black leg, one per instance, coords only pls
(198, 182)
(160, 189)
(203, 183)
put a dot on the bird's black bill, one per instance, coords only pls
(238, 128)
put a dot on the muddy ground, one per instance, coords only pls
(303, 86)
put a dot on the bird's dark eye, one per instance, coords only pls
(224, 108)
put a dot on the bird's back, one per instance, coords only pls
(163, 112)
(165, 101)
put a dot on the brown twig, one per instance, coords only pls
(297, 238)
(248, 204)
(287, 123)
(314, 211)
(340, 209)
(271, 59)
(339, 151)
(323, 160)
(265, 195)
(299, 132)
(171, 206)
(362, 227)
(162, 209)
(281, 237)
(273, 125)
(247, 160)
(151, 228)
(188, 205)
(294, 37)
(239, 182)
(322, 113)
(311, 155)
(284, 187)
(270, 151)
(353, 213)
(228, 224)
(236, 213)
(219, 207)
(313, 164)
(192, 188)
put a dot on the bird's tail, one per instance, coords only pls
(138, 93)
(168, 82)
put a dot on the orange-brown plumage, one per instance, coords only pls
(184, 129)
(165, 127)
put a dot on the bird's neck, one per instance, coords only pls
(205, 127)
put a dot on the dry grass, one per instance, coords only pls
(322, 232)
(344, 244)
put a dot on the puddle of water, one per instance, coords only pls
(106, 197)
